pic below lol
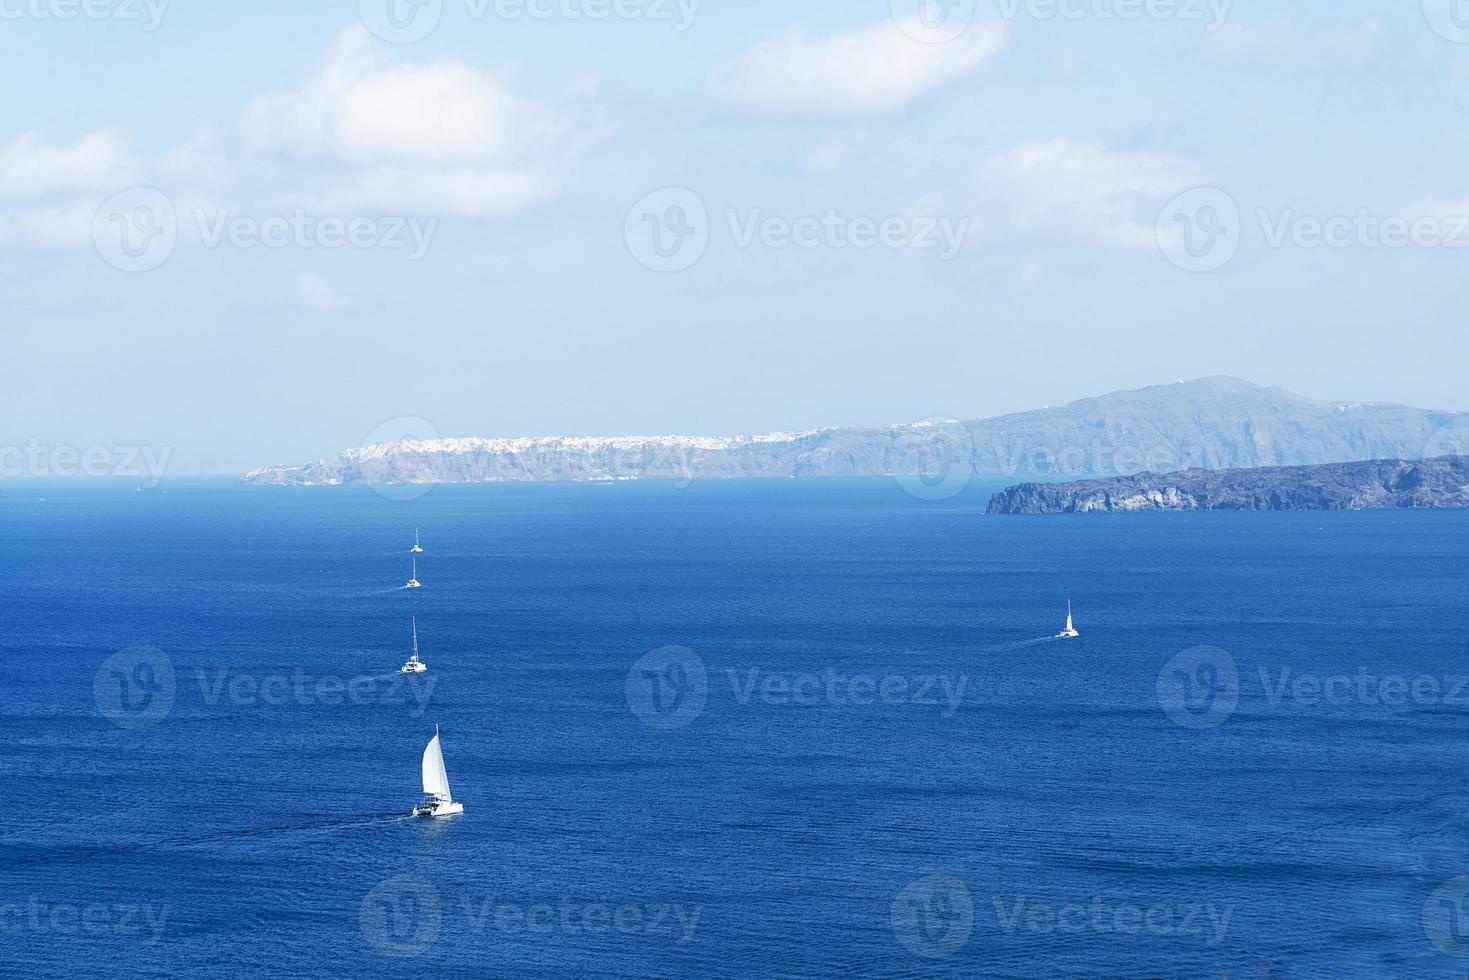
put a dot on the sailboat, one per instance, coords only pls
(1069, 633)
(417, 548)
(437, 801)
(414, 665)
(414, 583)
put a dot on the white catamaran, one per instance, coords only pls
(1069, 633)
(417, 548)
(414, 583)
(414, 665)
(437, 801)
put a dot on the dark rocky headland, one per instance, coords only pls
(1382, 484)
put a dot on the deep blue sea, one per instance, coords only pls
(734, 729)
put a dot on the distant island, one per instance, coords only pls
(1381, 484)
(1214, 423)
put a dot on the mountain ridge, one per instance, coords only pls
(1213, 423)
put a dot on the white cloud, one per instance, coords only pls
(441, 136)
(365, 134)
(316, 295)
(478, 192)
(1072, 192)
(53, 225)
(31, 169)
(867, 72)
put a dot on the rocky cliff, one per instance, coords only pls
(1373, 485)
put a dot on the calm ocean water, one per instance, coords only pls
(734, 729)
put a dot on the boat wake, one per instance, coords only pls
(1023, 644)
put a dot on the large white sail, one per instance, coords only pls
(435, 777)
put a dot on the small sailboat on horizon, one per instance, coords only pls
(414, 665)
(1070, 632)
(437, 800)
(413, 582)
(417, 548)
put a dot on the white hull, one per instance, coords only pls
(414, 668)
(1067, 635)
(437, 809)
(414, 584)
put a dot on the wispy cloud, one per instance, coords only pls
(1066, 191)
(862, 73)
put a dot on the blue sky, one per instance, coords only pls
(882, 225)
